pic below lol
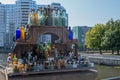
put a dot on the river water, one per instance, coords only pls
(103, 71)
(107, 71)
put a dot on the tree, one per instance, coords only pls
(117, 36)
(108, 40)
(94, 37)
(111, 38)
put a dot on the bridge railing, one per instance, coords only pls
(3, 73)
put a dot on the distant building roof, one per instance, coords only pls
(58, 4)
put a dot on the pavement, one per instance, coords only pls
(104, 55)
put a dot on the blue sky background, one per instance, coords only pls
(85, 12)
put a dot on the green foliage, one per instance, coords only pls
(111, 39)
(104, 36)
(94, 36)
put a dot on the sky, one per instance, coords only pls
(85, 12)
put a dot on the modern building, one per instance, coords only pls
(80, 33)
(23, 8)
(2, 24)
(10, 24)
(57, 5)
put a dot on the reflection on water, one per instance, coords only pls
(107, 71)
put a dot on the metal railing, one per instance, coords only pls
(3, 73)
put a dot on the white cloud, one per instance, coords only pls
(7, 1)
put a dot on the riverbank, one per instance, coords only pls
(108, 65)
(104, 59)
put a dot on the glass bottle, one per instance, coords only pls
(22, 33)
(39, 12)
(53, 17)
(56, 18)
(36, 19)
(32, 19)
(59, 20)
(43, 17)
(18, 34)
(65, 19)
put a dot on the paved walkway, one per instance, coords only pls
(106, 59)
(105, 55)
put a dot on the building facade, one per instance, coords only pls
(2, 24)
(80, 33)
(23, 8)
(10, 24)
